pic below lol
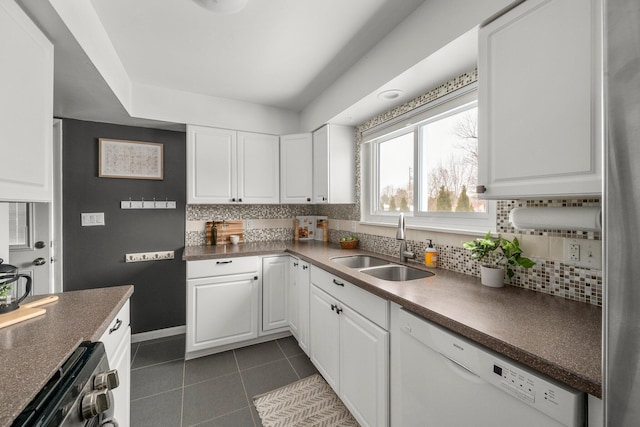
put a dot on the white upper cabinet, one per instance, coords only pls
(26, 108)
(227, 166)
(540, 93)
(258, 168)
(334, 165)
(296, 156)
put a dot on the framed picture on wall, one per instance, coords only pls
(130, 159)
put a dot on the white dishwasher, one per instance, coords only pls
(440, 379)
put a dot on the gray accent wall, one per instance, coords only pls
(94, 256)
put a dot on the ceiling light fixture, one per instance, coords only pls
(222, 6)
(390, 95)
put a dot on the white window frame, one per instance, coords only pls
(411, 121)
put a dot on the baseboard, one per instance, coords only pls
(233, 346)
(159, 333)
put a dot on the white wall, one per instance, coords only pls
(432, 26)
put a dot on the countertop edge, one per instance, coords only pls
(540, 364)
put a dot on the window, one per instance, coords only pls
(20, 220)
(426, 165)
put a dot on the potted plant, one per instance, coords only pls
(492, 273)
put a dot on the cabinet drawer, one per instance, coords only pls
(370, 306)
(222, 267)
(116, 332)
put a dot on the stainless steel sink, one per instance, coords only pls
(397, 273)
(360, 261)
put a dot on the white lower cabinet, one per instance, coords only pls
(117, 343)
(275, 275)
(298, 301)
(350, 350)
(222, 303)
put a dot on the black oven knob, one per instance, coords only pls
(95, 402)
(106, 380)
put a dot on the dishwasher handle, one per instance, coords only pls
(462, 370)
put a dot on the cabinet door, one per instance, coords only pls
(334, 165)
(122, 393)
(321, 165)
(293, 307)
(296, 168)
(211, 165)
(275, 273)
(303, 282)
(258, 168)
(539, 100)
(221, 310)
(364, 368)
(324, 330)
(26, 108)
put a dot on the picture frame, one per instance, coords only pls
(130, 159)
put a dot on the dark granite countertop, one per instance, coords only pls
(553, 335)
(32, 351)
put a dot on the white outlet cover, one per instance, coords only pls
(590, 253)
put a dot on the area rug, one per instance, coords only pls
(305, 403)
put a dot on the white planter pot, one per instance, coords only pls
(493, 277)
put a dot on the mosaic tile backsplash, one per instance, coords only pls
(547, 276)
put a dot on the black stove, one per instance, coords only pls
(78, 394)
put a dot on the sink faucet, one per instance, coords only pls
(400, 235)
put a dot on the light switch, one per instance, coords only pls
(92, 219)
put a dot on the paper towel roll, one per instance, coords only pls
(571, 218)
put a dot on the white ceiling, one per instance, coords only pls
(279, 53)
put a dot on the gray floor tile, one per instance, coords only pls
(208, 367)
(268, 377)
(134, 349)
(210, 399)
(156, 379)
(159, 410)
(258, 354)
(302, 365)
(241, 418)
(159, 351)
(289, 346)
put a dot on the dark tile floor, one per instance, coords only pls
(212, 391)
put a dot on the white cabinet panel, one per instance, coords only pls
(325, 336)
(211, 165)
(26, 108)
(299, 283)
(352, 354)
(296, 156)
(221, 310)
(334, 164)
(258, 168)
(275, 274)
(227, 166)
(539, 109)
(117, 344)
(364, 368)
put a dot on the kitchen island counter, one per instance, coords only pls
(552, 335)
(33, 350)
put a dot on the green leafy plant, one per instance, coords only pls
(4, 290)
(482, 247)
(510, 252)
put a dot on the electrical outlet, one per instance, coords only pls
(149, 256)
(354, 226)
(92, 219)
(249, 224)
(583, 253)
